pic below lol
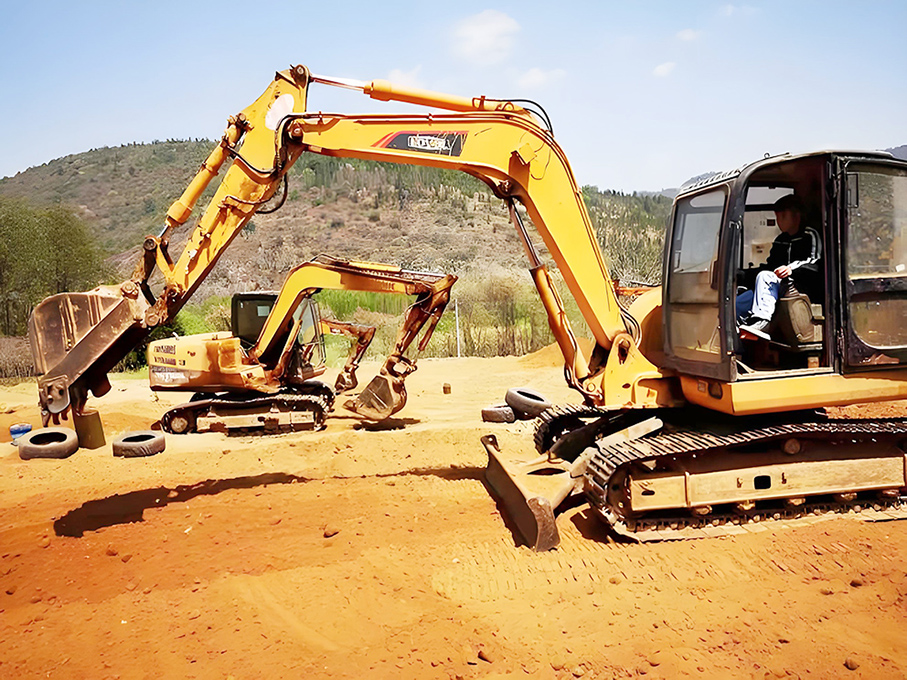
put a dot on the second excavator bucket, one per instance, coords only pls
(76, 338)
(346, 381)
(384, 396)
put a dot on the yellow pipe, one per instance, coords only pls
(385, 91)
(575, 360)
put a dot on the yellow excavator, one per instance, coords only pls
(684, 430)
(262, 375)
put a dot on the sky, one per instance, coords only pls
(642, 95)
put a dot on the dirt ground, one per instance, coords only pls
(357, 553)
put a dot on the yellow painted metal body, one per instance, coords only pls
(790, 392)
(543, 183)
(309, 277)
(216, 361)
(210, 361)
(519, 159)
(243, 189)
(383, 90)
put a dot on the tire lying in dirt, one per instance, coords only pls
(526, 403)
(139, 444)
(48, 442)
(498, 414)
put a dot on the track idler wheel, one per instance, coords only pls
(179, 421)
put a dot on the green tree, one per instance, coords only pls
(43, 251)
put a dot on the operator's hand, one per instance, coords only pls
(783, 272)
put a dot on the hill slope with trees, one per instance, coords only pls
(415, 217)
(106, 200)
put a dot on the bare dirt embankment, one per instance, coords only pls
(353, 553)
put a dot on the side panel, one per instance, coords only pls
(793, 393)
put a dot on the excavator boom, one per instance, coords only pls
(78, 337)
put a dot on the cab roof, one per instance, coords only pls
(722, 177)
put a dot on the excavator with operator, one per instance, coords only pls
(683, 430)
(262, 376)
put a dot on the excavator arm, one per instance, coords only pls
(385, 394)
(77, 337)
(361, 337)
(522, 163)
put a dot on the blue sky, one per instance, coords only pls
(642, 95)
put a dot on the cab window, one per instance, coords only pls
(693, 294)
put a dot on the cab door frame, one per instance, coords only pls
(718, 364)
(872, 302)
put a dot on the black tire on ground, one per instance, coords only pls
(139, 444)
(526, 403)
(48, 442)
(498, 414)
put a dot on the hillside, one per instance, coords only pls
(420, 218)
(122, 192)
(899, 152)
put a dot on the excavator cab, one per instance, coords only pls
(248, 313)
(850, 320)
(250, 310)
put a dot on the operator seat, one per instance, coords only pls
(797, 324)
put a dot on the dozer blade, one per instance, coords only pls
(76, 338)
(384, 396)
(530, 490)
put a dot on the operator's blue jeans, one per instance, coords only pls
(761, 302)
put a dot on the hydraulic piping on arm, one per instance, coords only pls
(77, 337)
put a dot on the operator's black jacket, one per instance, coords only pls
(801, 252)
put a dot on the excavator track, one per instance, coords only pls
(265, 414)
(684, 484)
(558, 420)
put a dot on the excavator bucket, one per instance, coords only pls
(76, 338)
(384, 396)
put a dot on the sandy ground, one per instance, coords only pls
(353, 553)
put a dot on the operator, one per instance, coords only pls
(792, 266)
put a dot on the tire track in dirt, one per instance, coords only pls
(268, 597)
(496, 568)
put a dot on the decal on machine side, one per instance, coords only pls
(442, 143)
